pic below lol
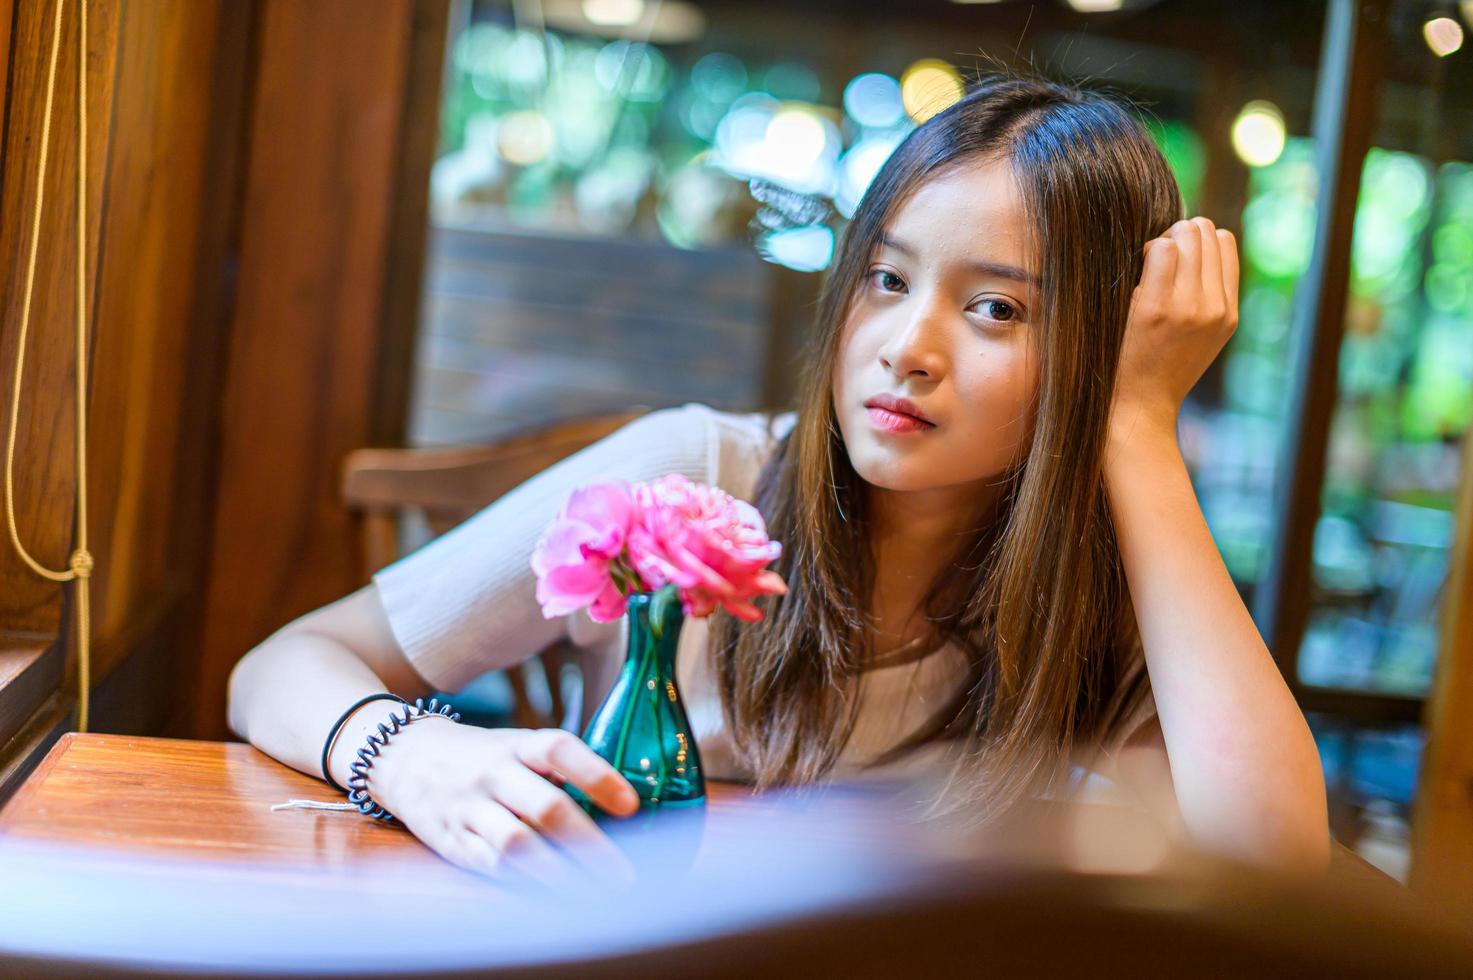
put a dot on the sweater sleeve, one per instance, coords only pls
(465, 602)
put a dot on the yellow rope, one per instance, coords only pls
(80, 566)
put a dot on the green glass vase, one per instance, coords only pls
(641, 728)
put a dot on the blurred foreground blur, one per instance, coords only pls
(836, 882)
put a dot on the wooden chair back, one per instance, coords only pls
(449, 485)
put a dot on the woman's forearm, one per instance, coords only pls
(286, 693)
(1244, 765)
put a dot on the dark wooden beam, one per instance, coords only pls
(1344, 119)
(1362, 708)
(404, 260)
(1442, 831)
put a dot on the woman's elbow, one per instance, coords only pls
(234, 719)
(239, 688)
(1289, 834)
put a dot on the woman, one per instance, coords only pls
(992, 548)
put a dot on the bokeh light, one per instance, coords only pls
(719, 77)
(807, 249)
(797, 138)
(525, 137)
(857, 170)
(639, 71)
(1443, 35)
(1278, 223)
(791, 81)
(928, 86)
(607, 196)
(1258, 133)
(790, 143)
(613, 13)
(692, 203)
(873, 100)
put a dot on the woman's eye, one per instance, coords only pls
(888, 281)
(997, 309)
(994, 309)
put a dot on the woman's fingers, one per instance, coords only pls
(475, 852)
(552, 751)
(1160, 271)
(1206, 265)
(552, 813)
(497, 842)
(1188, 238)
(1227, 245)
(1214, 292)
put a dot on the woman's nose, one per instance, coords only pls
(917, 347)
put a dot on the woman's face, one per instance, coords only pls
(946, 318)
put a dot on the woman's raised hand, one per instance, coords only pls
(1181, 314)
(491, 800)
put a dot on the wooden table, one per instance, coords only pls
(122, 850)
(189, 823)
(212, 801)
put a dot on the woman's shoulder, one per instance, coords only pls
(758, 430)
(739, 442)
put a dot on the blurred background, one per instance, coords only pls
(441, 223)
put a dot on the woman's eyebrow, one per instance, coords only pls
(999, 269)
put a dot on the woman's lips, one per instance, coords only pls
(895, 422)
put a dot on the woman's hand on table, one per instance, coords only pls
(490, 799)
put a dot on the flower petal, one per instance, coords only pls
(609, 606)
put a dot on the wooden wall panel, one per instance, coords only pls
(507, 345)
(338, 153)
(155, 375)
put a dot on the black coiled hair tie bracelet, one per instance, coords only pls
(398, 720)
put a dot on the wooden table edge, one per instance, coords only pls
(33, 781)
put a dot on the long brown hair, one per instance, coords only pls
(1037, 597)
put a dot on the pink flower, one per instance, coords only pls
(709, 543)
(611, 539)
(573, 557)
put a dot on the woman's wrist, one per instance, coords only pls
(354, 736)
(386, 777)
(1135, 423)
(1141, 451)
